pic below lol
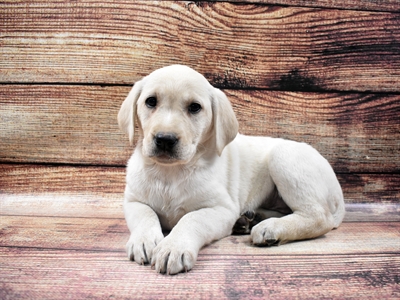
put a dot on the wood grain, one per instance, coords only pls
(387, 5)
(77, 124)
(234, 45)
(99, 234)
(374, 212)
(110, 206)
(38, 180)
(370, 188)
(52, 274)
(355, 132)
(62, 124)
(98, 192)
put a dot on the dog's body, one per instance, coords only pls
(193, 174)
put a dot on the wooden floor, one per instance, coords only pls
(59, 241)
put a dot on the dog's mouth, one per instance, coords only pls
(164, 158)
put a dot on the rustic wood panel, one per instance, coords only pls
(62, 191)
(62, 180)
(64, 233)
(98, 192)
(374, 212)
(97, 205)
(111, 235)
(370, 188)
(52, 274)
(355, 132)
(77, 124)
(62, 124)
(380, 5)
(110, 206)
(234, 45)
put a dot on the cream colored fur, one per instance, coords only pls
(213, 174)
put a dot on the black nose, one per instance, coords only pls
(165, 141)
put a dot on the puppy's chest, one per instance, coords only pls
(168, 197)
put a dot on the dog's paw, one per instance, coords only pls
(242, 225)
(140, 247)
(172, 257)
(246, 222)
(266, 233)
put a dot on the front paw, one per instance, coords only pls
(140, 247)
(267, 233)
(172, 257)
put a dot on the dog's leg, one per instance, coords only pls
(308, 186)
(145, 229)
(178, 251)
(311, 217)
(296, 226)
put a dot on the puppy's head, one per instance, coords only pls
(178, 114)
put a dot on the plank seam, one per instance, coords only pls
(119, 166)
(227, 88)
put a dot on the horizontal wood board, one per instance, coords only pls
(53, 274)
(235, 45)
(110, 206)
(79, 191)
(78, 124)
(100, 234)
(374, 5)
(363, 5)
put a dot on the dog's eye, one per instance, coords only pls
(151, 102)
(194, 108)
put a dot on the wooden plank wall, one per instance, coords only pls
(324, 72)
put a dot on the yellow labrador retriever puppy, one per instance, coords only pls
(193, 174)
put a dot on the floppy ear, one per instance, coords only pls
(127, 112)
(225, 123)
